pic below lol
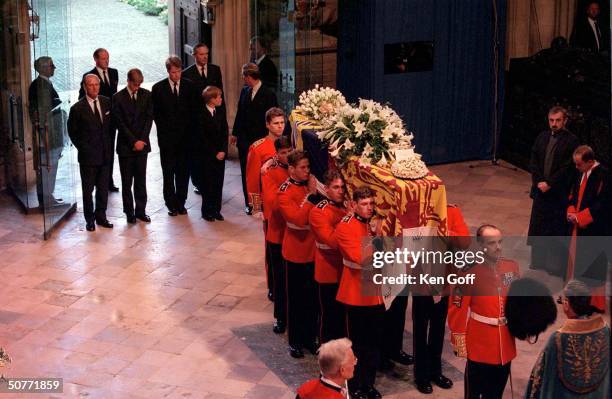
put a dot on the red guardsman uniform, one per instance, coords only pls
(295, 203)
(328, 268)
(319, 389)
(365, 314)
(259, 152)
(478, 326)
(270, 182)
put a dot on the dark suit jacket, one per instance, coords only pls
(583, 36)
(268, 72)
(133, 121)
(173, 117)
(213, 78)
(211, 134)
(250, 122)
(42, 99)
(91, 137)
(105, 90)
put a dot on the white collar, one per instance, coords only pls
(256, 87)
(130, 92)
(257, 61)
(91, 100)
(588, 172)
(43, 77)
(210, 109)
(333, 384)
(178, 84)
(101, 73)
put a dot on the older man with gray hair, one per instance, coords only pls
(337, 364)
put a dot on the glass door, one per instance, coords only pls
(49, 104)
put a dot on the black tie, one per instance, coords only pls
(213, 112)
(175, 90)
(96, 112)
(134, 98)
(105, 78)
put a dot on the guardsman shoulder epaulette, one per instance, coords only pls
(258, 142)
(347, 218)
(322, 204)
(283, 187)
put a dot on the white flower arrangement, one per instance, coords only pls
(368, 130)
(321, 102)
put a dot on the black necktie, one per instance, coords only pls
(134, 98)
(96, 112)
(214, 111)
(175, 90)
(105, 77)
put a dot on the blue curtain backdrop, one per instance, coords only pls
(450, 109)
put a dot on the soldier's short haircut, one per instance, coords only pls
(251, 69)
(330, 176)
(273, 113)
(210, 92)
(482, 228)
(97, 52)
(198, 46)
(42, 62)
(173, 61)
(332, 355)
(281, 143)
(295, 157)
(558, 109)
(585, 153)
(135, 75)
(362, 192)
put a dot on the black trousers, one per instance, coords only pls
(276, 264)
(302, 304)
(486, 381)
(134, 173)
(211, 176)
(333, 313)
(394, 322)
(365, 329)
(111, 182)
(175, 171)
(428, 320)
(94, 177)
(243, 152)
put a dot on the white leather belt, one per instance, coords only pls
(322, 246)
(492, 321)
(350, 264)
(296, 227)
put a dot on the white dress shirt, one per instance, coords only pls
(203, 70)
(594, 28)
(178, 86)
(255, 89)
(211, 110)
(90, 101)
(101, 73)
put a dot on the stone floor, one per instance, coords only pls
(160, 310)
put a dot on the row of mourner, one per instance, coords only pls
(190, 116)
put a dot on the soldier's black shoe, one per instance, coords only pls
(313, 347)
(385, 364)
(359, 394)
(219, 216)
(182, 211)
(296, 352)
(442, 381)
(372, 393)
(424, 387)
(90, 226)
(131, 219)
(403, 358)
(172, 212)
(145, 218)
(279, 327)
(104, 223)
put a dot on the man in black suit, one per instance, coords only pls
(89, 125)
(250, 123)
(48, 133)
(587, 33)
(210, 145)
(202, 74)
(173, 113)
(109, 78)
(267, 69)
(133, 114)
(552, 173)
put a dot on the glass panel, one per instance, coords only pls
(51, 101)
(300, 36)
(14, 33)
